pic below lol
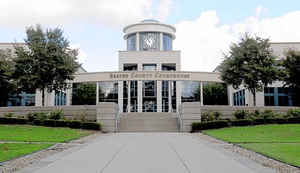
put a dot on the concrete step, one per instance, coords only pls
(148, 122)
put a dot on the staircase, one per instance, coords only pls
(148, 122)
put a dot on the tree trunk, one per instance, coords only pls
(43, 97)
(254, 97)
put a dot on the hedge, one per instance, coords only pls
(52, 123)
(198, 126)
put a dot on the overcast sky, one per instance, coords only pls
(205, 29)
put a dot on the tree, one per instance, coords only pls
(46, 62)
(7, 85)
(290, 72)
(249, 63)
(215, 94)
(84, 94)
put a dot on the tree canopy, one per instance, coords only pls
(291, 69)
(45, 62)
(249, 63)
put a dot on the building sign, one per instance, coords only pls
(150, 76)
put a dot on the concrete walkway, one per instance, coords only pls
(148, 153)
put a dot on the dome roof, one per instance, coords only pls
(149, 21)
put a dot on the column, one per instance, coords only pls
(97, 93)
(129, 96)
(137, 43)
(69, 95)
(230, 96)
(201, 93)
(178, 94)
(170, 96)
(140, 96)
(120, 96)
(159, 96)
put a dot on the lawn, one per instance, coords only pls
(281, 142)
(12, 150)
(26, 133)
(29, 133)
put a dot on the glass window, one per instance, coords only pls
(149, 67)
(149, 88)
(108, 92)
(84, 94)
(130, 67)
(131, 42)
(167, 42)
(149, 41)
(22, 99)
(168, 67)
(190, 91)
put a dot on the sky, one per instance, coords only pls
(205, 29)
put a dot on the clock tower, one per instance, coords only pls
(149, 48)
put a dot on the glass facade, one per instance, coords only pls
(149, 41)
(190, 91)
(149, 67)
(84, 93)
(167, 42)
(149, 96)
(275, 96)
(131, 42)
(130, 67)
(168, 67)
(60, 98)
(22, 99)
(239, 98)
(108, 92)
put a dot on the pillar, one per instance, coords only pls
(201, 93)
(170, 96)
(178, 94)
(129, 96)
(120, 96)
(137, 43)
(69, 95)
(161, 41)
(140, 96)
(97, 93)
(159, 96)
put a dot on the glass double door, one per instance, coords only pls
(149, 96)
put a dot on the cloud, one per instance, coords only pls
(164, 9)
(19, 13)
(204, 41)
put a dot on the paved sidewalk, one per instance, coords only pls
(147, 153)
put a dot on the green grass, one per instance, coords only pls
(281, 142)
(29, 133)
(12, 150)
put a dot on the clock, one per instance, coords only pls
(149, 41)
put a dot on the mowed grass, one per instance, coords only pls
(27, 133)
(12, 150)
(281, 142)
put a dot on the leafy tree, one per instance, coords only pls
(84, 94)
(46, 62)
(249, 63)
(215, 94)
(7, 85)
(290, 72)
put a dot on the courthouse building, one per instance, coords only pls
(150, 78)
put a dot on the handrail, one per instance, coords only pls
(117, 119)
(179, 118)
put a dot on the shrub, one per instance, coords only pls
(258, 121)
(275, 121)
(198, 126)
(241, 114)
(293, 113)
(37, 122)
(21, 121)
(62, 123)
(294, 120)
(50, 123)
(75, 124)
(91, 126)
(210, 116)
(8, 115)
(241, 122)
(36, 116)
(56, 114)
(268, 114)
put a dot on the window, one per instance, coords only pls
(239, 98)
(190, 91)
(278, 96)
(167, 42)
(131, 42)
(60, 98)
(149, 67)
(22, 99)
(108, 92)
(130, 67)
(168, 67)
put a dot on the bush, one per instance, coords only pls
(275, 121)
(294, 120)
(198, 126)
(91, 126)
(37, 122)
(8, 115)
(75, 124)
(56, 114)
(241, 114)
(21, 121)
(210, 116)
(293, 113)
(258, 121)
(240, 122)
(50, 123)
(36, 116)
(62, 123)
(267, 114)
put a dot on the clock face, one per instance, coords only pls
(149, 41)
